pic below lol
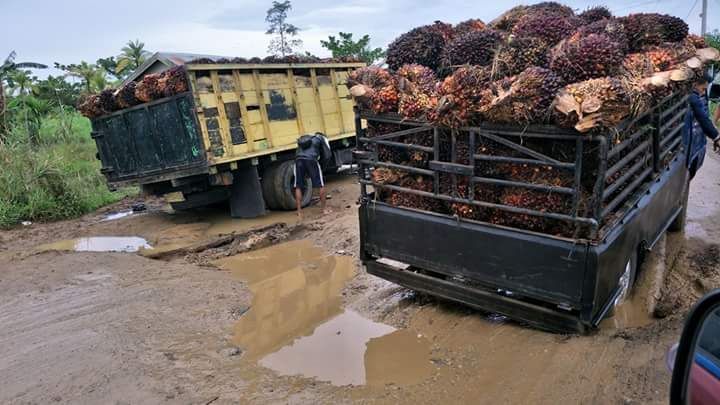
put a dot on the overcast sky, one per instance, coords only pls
(74, 30)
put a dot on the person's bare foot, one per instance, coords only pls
(299, 216)
(327, 211)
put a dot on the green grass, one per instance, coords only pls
(57, 179)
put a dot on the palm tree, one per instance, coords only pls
(86, 72)
(132, 55)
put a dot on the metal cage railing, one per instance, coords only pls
(605, 173)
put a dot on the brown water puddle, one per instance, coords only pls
(98, 244)
(297, 326)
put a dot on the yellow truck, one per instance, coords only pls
(232, 136)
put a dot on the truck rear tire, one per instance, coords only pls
(678, 224)
(278, 187)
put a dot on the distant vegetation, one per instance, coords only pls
(49, 170)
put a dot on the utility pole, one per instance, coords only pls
(703, 26)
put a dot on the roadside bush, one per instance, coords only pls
(55, 178)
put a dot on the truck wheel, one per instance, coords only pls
(678, 224)
(267, 188)
(627, 279)
(278, 187)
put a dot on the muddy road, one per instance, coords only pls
(161, 307)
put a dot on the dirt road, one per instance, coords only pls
(266, 311)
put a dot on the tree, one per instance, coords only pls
(92, 77)
(713, 39)
(57, 91)
(347, 47)
(284, 42)
(110, 66)
(6, 68)
(132, 55)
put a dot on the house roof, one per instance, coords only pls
(169, 59)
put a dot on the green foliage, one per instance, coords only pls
(132, 55)
(713, 39)
(346, 46)
(91, 76)
(55, 179)
(57, 91)
(284, 43)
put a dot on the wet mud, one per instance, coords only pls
(269, 311)
(296, 324)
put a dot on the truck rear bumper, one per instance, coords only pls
(535, 315)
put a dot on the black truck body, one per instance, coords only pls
(556, 283)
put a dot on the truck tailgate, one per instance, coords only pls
(518, 263)
(152, 139)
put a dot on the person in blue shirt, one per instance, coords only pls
(312, 149)
(698, 125)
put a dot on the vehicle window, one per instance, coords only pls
(710, 338)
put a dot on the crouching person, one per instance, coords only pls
(313, 151)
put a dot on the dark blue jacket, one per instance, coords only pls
(319, 150)
(697, 126)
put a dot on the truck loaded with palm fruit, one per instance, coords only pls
(216, 129)
(526, 166)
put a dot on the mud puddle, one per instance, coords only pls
(98, 244)
(117, 215)
(297, 325)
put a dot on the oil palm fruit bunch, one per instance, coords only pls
(470, 25)
(386, 153)
(423, 45)
(384, 175)
(518, 54)
(374, 88)
(596, 103)
(552, 7)
(416, 77)
(107, 100)
(697, 41)
(507, 20)
(91, 106)
(637, 66)
(550, 27)
(531, 199)
(645, 29)
(521, 99)
(175, 81)
(445, 29)
(473, 48)
(147, 89)
(459, 96)
(612, 28)
(585, 57)
(125, 96)
(420, 183)
(594, 14)
(661, 59)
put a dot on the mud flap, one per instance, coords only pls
(246, 199)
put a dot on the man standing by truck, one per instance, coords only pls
(312, 149)
(698, 125)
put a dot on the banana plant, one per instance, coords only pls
(6, 69)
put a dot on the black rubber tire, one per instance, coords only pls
(280, 187)
(267, 187)
(678, 224)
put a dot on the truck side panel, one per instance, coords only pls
(527, 265)
(259, 110)
(148, 140)
(643, 225)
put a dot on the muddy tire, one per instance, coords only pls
(278, 187)
(627, 280)
(267, 190)
(678, 224)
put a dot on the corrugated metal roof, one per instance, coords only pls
(169, 59)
